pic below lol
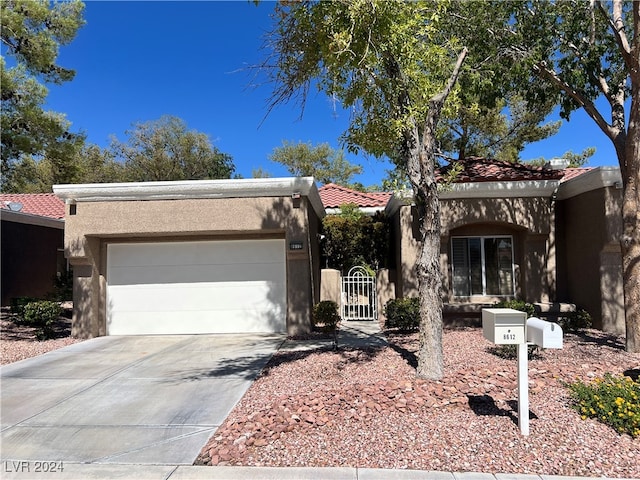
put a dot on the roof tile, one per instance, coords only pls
(476, 169)
(42, 204)
(333, 196)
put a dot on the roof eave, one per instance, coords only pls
(192, 189)
(599, 177)
(30, 219)
(517, 189)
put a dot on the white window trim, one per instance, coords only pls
(482, 258)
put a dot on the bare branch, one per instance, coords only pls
(617, 27)
(543, 71)
(438, 99)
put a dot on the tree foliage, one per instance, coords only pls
(324, 163)
(352, 238)
(500, 131)
(391, 65)
(32, 32)
(584, 52)
(165, 149)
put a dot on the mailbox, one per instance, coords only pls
(544, 334)
(504, 326)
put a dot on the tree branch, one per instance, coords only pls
(543, 71)
(617, 27)
(439, 98)
(437, 101)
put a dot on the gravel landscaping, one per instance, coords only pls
(18, 342)
(365, 408)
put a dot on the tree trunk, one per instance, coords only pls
(421, 150)
(430, 356)
(630, 241)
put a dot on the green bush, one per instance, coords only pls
(42, 315)
(403, 313)
(326, 316)
(352, 238)
(510, 352)
(574, 321)
(62, 287)
(520, 305)
(613, 400)
(18, 304)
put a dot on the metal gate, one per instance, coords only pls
(359, 299)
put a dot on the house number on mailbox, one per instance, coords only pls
(509, 336)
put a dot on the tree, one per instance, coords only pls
(32, 32)
(165, 150)
(89, 164)
(353, 238)
(500, 131)
(322, 162)
(589, 51)
(574, 159)
(389, 63)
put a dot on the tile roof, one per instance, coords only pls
(477, 169)
(42, 204)
(333, 196)
(570, 173)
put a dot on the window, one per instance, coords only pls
(482, 266)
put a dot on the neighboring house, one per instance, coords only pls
(32, 239)
(207, 256)
(334, 196)
(515, 231)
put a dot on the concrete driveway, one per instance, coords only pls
(142, 399)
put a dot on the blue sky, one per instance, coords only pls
(136, 61)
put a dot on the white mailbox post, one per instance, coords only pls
(505, 326)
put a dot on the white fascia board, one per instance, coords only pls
(600, 177)
(394, 204)
(192, 189)
(518, 189)
(29, 219)
(368, 211)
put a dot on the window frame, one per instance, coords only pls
(482, 239)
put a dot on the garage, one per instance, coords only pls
(196, 287)
(193, 256)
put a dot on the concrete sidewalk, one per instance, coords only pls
(352, 334)
(76, 471)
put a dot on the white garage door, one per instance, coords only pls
(196, 287)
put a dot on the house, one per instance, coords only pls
(244, 255)
(334, 196)
(516, 231)
(32, 244)
(206, 256)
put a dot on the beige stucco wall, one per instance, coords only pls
(589, 229)
(94, 225)
(529, 220)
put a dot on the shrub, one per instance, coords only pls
(326, 316)
(42, 315)
(62, 287)
(574, 321)
(510, 352)
(614, 400)
(520, 305)
(403, 313)
(18, 304)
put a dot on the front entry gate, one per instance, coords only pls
(359, 299)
